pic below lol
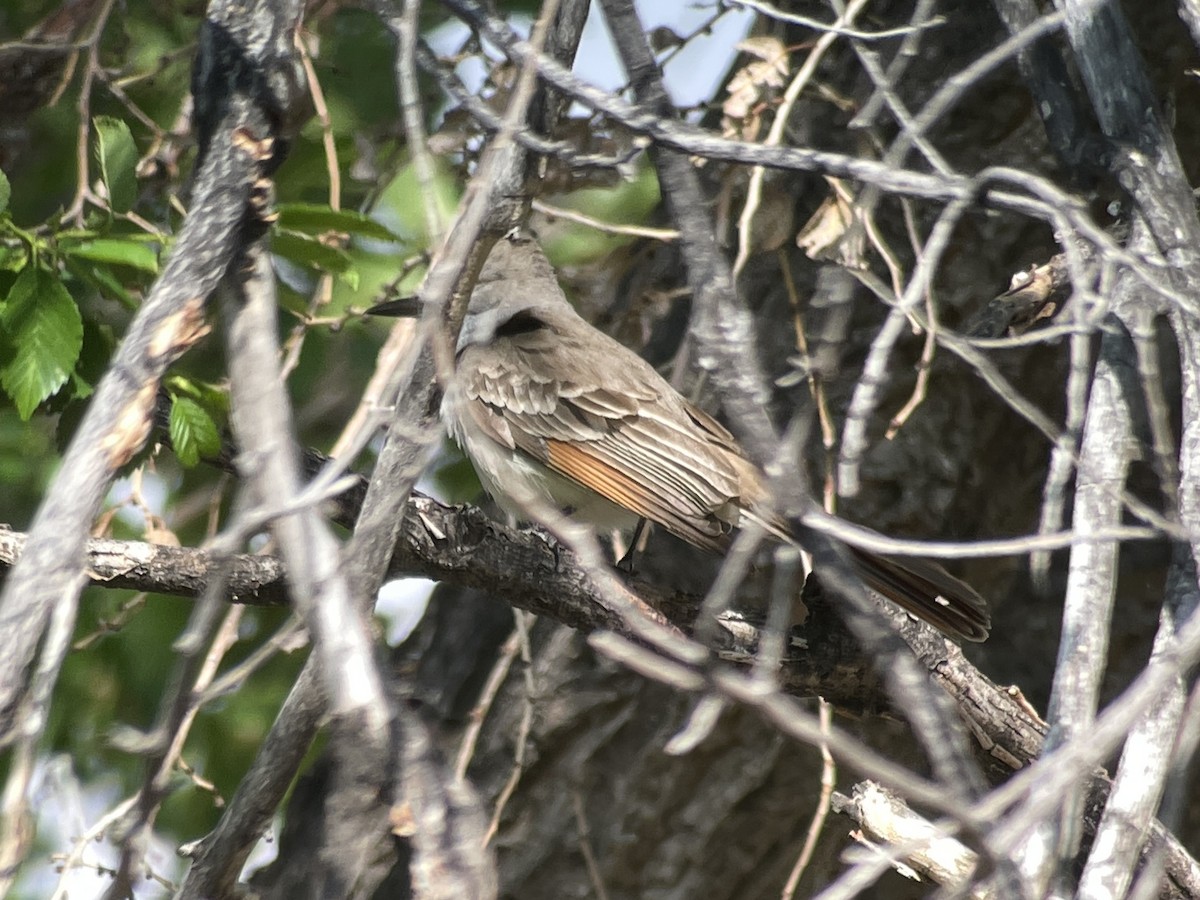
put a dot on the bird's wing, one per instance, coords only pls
(640, 446)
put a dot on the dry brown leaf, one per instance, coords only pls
(831, 233)
(754, 84)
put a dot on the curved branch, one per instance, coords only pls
(242, 91)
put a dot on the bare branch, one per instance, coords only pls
(183, 571)
(497, 204)
(352, 684)
(916, 842)
(245, 88)
(1083, 649)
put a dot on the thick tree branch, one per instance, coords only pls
(162, 569)
(915, 841)
(495, 203)
(1091, 588)
(1070, 127)
(343, 651)
(245, 91)
(244, 88)
(462, 546)
(1164, 225)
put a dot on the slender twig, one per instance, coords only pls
(323, 290)
(522, 622)
(487, 697)
(815, 826)
(585, 847)
(91, 70)
(570, 215)
(836, 29)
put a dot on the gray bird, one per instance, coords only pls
(550, 409)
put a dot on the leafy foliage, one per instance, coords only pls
(193, 433)
(117, 156)
(43, 333)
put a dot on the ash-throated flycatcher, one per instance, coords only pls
(549, 408)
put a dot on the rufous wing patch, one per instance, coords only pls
(573, 461)
(607, 481)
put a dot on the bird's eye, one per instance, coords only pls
(520, 323)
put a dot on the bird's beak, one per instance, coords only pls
(401, 307)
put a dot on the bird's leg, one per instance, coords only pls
(625, 563)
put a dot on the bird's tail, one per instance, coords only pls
(927, 591)
(917, 586)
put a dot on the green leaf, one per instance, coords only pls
(116, 251)
(310, 252)
(41, 326)
(312, 218)
(101, 278)
(80, 386)
(13, 256)
(213, 397)
(5, 191)
(370, 273)
(350, 278)
(193, 432)
(118, 156)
